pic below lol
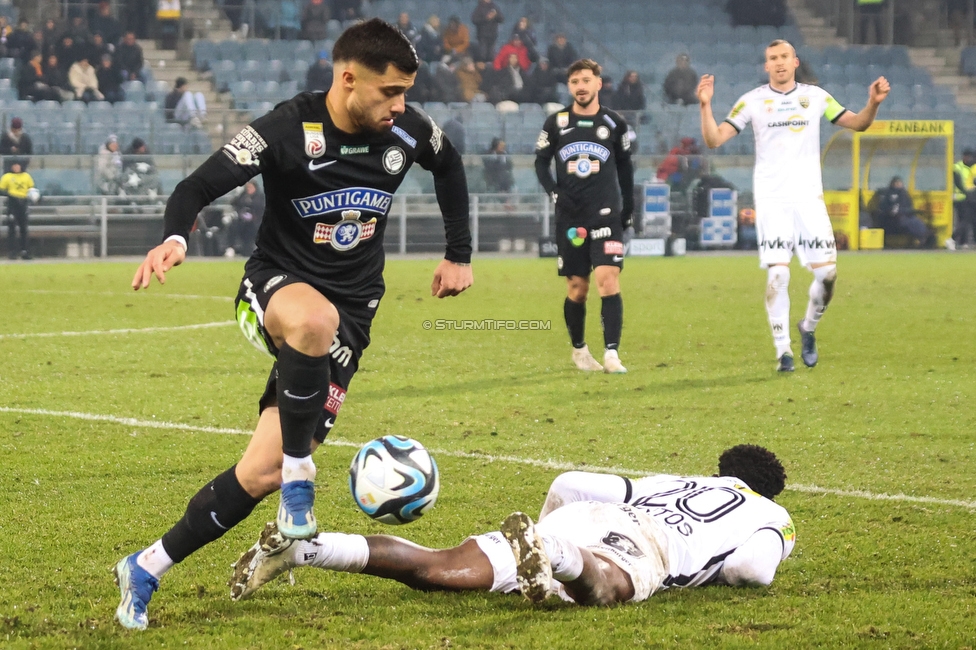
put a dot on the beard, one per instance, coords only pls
(584, 103)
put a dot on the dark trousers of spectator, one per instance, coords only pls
(17, 218)
(908, 225)
(243, 233)
(871, 16)
(112, 96)
(965, 222)
(484, 52)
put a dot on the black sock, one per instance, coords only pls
(215, 509)
(303, 387)
(575, 313)
(612, 314)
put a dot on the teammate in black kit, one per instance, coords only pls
(331, 164)
(592, 155)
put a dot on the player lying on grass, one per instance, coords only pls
(601, 539)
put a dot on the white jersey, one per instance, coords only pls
(787, 132)
(705, 520)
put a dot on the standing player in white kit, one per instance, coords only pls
(788, 185)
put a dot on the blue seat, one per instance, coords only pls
(256, 50)
(204, 54)
(229, 50)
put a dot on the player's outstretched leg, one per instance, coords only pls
(821, 292)
(778, 311)
(271, 555)
(533, 569)
(137, 586)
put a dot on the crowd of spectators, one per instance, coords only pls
(83, 59)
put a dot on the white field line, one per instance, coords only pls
(152, 294)
(544, 464)
(141, 330)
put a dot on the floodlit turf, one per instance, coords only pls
(889, 410)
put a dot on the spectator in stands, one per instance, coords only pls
(319, 75)
(469, 80)
(346, 10)
(104, 23)
(5, 32)
(249, 209)
(128, 56)
(139, 176)
(964, 200)
(454, 130)
(498, 168)
(110, 80)
(57, 79)
(98, 48)
(84, 80)
(757, 12)
(516, 47)
(682, 165)
(16, 146)
(630, 94)
(445, 87)
(78, 31)
(109, 167)
(16, 185)
(51, 38)
(30, 82)
(869, 17)
(234, 10)
(681, 84)
(168, 13)
(527, 35)
(486, 18)
(405, 26)
(896, 214)
(540, 87)
(457, 39)
(422, 84)
(315, 20)
(507, 83)
(430, 44)
(68, 53)
(608, 91)
(184, 106)
(21, 43)
(561, 55)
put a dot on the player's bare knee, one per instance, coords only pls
(577, 288)
(314, 332)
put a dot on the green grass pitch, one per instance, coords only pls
(890, 410)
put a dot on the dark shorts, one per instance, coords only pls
(257, 287)
(585, 244)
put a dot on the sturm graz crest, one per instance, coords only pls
(348, 231)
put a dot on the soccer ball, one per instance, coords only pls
(394, 480)
(33, 195)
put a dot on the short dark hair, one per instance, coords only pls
(781, 41)
(376, 44)
(757, 466)
(584, 64)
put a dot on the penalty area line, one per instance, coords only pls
(490, 458)
(141, 330)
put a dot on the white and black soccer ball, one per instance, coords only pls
(33, 195)
(394, 480)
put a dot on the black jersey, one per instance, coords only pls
(594, 174)
(329, 192)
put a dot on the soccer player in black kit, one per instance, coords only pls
(331, 164)
(592, 155)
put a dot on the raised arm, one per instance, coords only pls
(877, 92)
(714, 135)
(754, 563)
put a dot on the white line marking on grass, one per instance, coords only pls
(141, 330)
(491, 458)
(128, 294)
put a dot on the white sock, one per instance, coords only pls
(778, 308)
(297, 469)
(819, 292)
(334, 551)
(564, 557)
(611, 354)
(155, 560)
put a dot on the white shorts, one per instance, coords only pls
(782, 227)
(616, 532)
